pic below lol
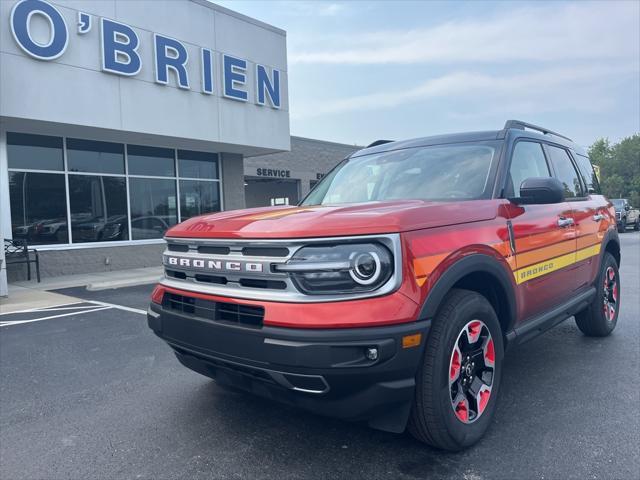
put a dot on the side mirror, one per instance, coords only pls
(540, 191)
(627, 207)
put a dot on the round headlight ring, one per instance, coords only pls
(356, 272)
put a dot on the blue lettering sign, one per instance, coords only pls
(21, 16)
(119, 49)
(234, 72)
(170, 54)
(207, 71)
(265, 86)
(119, 54)
(84, 23)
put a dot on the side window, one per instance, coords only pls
(527, 161)
(565, 172)
(588, 173)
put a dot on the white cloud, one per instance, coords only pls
(311, 8)
(549, 32)
(577, 88)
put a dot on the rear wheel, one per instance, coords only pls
(636, 227)
(458, 381)
(600, 318)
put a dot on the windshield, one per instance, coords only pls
(442, 172)
(618, 202)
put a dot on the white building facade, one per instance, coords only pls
(120, 118)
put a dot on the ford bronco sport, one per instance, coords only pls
(390, 294)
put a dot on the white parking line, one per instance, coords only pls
(120, 307)
(69, 309)
(40, 309)
(19, 322)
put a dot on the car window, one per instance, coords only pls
(431, 173)
(527, 161)
(588, 173)
(565, 172)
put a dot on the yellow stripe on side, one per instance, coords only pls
(555, 264)
(587, 252)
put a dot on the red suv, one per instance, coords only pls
(390, 294)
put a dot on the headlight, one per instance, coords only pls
(335, 269)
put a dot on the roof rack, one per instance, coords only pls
(522, 125)
(378, 142)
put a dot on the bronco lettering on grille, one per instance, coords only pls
(217, 265)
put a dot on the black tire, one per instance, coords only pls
(636, 227)
(593, 321)
(433, 420)
(622, 226)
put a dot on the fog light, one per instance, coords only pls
(371, 353)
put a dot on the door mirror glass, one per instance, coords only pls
(540, 191)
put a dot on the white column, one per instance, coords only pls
(5, 213)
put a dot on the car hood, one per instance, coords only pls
(334, 220)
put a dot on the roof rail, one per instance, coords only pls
(378, 142)
(522, 125)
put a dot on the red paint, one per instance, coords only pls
(490, 354)
(331, 221)
(443, 231)
(484, 399)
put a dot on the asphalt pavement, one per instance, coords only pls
(87, 391)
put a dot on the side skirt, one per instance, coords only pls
(543, 322)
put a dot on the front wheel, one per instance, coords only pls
(458, 380)
(600, 318)
(622, 226)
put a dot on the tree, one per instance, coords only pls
(619, 167)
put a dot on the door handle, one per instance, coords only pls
(597, 217)
(565, 222)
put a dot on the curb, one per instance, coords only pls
(130, 282)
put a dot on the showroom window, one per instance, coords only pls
(79, 191)
(199, 192)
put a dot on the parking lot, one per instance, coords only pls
(87, 391)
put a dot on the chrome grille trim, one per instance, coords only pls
(234, 289)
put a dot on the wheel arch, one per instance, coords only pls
(611, 245)
(483, 274)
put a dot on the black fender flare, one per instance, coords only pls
(476, 263)
(611, 236)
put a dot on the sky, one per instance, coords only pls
(365, 70)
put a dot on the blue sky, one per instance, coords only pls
(359, 71)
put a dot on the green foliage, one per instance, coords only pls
(619, 167)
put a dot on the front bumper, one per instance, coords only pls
(323, 371)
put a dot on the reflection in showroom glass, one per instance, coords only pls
(98, 205)
(38, 207)
(153, 207)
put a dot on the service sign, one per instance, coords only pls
(119, 46)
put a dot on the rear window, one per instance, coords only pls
(588, 173)
(441, 172)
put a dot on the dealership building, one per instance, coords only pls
(121, 118)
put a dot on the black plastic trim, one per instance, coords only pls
(540, 324)
(476, 263)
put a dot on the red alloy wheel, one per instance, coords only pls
(471, 371)
(610, 297)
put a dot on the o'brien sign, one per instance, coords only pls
(120, 56)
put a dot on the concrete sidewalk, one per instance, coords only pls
(26, 295)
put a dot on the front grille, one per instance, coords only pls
(619, 215)
(248, 268)
(245, 315)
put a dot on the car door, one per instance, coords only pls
(544, 236)
(588, 210)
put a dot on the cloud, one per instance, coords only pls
(311, 8)
(550, 32)
(578, 88)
